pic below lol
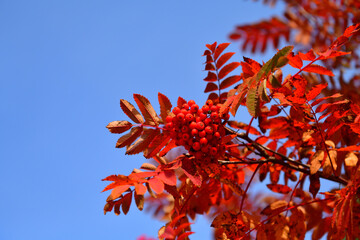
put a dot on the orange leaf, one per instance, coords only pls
(279, 188)
(156, 185)
(119, 126)
(117, 192)
(165, 106)
(314, 68)
(129, 138)
(131, 111)
(227, 69)
(146, 109)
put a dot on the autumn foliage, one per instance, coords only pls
(304, 104)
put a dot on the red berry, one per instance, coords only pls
(169, 119)
(185, 137)
(185, 106)
(169, 125)
(217, 135)
(184, 111)
(226, 116)
(203, 141)
(213, 151)
(198, 155)
(209, 137)
(202, 134)
(194, 108)
(190, 142)
(195, 132)
(184, 129)
(191, 102)
(189, 117)
(209, 103)
(209, 130)
(192, 125)
(205, 149)
(196, 146)
(214, 115)
(214, 108)
(180, 116)
(176, 110)
(207, 121)
(202, 116)
(200, 125)
(205, 109)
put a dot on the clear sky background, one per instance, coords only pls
(64, 66)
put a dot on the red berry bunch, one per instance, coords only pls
(199, 130)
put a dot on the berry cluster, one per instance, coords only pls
(199, 130)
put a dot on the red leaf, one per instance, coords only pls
(211, 87)
(211, 77)
(317, 101)
(227, 69)
(119, 126)
(211, 47)
(131, 111)
(324, 106)
(146, 109)
(279, 188)
(157, 144)
(156, 185)
(349, 31)
(223, 59)
(314, 68)
(350, 148)
(295, 61)
(219, 49)
(181, 102)
(315, 91)
(309, 56)
(129, 138)
(165, 106)
(229, 81)
(168, 147)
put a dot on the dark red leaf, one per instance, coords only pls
(279, 188)
(211, 77)
(227, 69)
(129, 138)
(223, 59)
(229, 81)
(146, 109)
(211, 87)
(219, 49)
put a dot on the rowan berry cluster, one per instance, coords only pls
(199, 130)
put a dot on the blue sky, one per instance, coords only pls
(64, 67)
